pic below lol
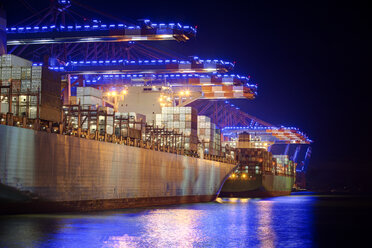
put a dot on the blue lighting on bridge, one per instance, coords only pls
(175, 76)
(260, 128)
(159, 61)
(77, 27)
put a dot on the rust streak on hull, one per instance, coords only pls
(64, 172)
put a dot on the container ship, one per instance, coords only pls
(87, 156)
(260, 173)
(96, 134)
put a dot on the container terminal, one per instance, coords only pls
(93, 117)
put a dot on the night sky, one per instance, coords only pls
(307, 57)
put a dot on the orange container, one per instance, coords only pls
(207, 88)
(209, 95)
(227, 87)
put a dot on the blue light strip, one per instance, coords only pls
(267, 128)
(243, 79)
(92, 27)
(64, 2)
(148, 62)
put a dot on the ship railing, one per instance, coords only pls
(47, 126)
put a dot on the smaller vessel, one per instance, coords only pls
(260, 173)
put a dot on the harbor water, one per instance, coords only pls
(299, 220)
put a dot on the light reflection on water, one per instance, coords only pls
(273, 222)
(265, 233)
(164, 228)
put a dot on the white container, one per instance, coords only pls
(33, 112)
(6, 73)
(110, 111)
(109, 129)
(216, 88)
(36, 72)
(110, 120)
(35, 85)
(12, 60)
(4, 108)
(16, 73)
(238, 88)
(88, 91)
(89, 100)
(238, 94)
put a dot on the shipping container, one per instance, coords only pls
(12, 60)
(27, 79)
(88, 91)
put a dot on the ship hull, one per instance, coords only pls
(258, 186)
(45, 172)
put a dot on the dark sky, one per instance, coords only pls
(308, 58)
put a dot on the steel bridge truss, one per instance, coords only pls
(82, 37)
(224, 114)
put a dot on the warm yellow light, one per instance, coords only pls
(187, 92)
(113, 93)
(182, 93)
(109, 94)
(233, 175)
(124, 92)
(244, 176)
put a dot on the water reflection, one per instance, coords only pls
(273, 222)
(266, 233)
(165, 228)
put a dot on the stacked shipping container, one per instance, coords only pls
(182, 120)
(93, 118)
(209, 135)
(226, 91)
(89, 96)
(258, 160)
(26, 82)
(130, 124)
(255, 160)
(284, 165)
